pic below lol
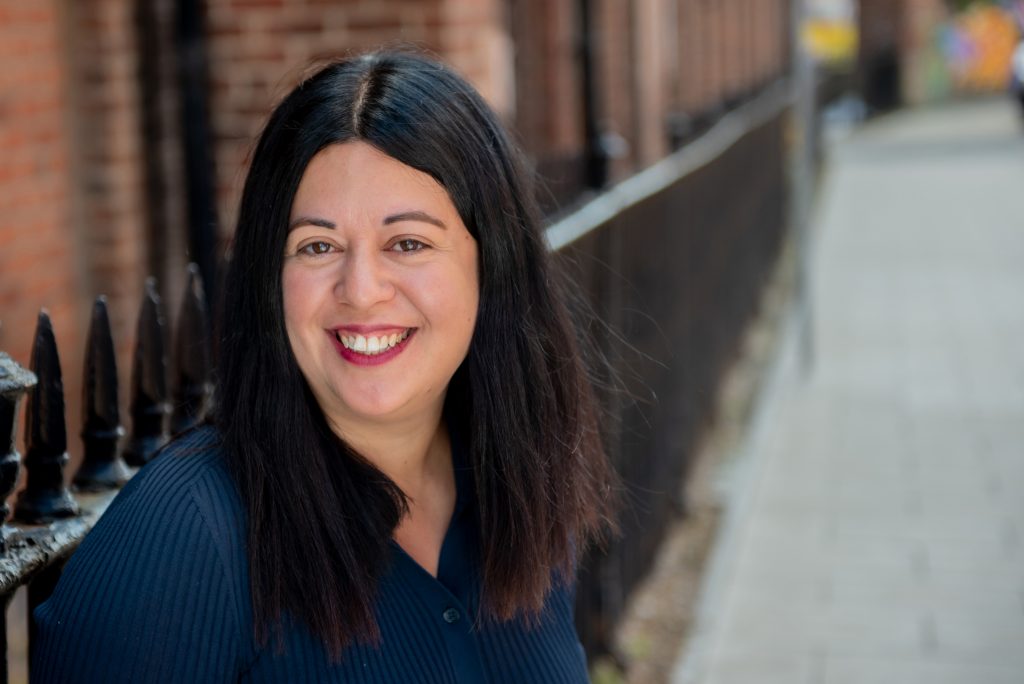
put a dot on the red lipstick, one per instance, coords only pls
(362, 359)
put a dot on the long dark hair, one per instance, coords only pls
(319, 515)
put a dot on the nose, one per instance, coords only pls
(363, 280)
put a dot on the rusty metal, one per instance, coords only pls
(45, 497)
(39, 552)
(15, 381)
(102, 466)
(192, 386)
(149, 405)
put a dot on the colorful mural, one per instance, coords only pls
(978, 44)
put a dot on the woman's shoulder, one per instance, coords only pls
(182, 500)
(160, 578)
(185, 494)
(189, 470)
(193, 455)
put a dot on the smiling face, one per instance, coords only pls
(380, 287)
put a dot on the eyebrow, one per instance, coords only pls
(310, 221)
(414, 216)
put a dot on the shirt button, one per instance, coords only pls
(451, 616)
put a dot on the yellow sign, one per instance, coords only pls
(830, 42)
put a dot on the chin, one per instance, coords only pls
(372, 411)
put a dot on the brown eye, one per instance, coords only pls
(315, 248)
(408, 245)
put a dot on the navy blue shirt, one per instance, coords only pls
(159, 592)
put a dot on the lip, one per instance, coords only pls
(358, 359)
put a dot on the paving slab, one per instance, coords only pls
(875, 522)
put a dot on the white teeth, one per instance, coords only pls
(373, 345)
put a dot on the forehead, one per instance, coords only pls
(357, 177)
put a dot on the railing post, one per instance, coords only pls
(595, 144)
(45, 497)
(14, 382)
(149, 405)
(102, 467)
(192, 387)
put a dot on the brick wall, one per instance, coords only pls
(91, 188)
(38, 243)
(73, 225)
(259, 49)
(548, 112)
(108, 173)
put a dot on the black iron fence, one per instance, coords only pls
(672, 261)
(675, 267)
(49, 521)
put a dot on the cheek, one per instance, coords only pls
(472, 300)
(299, 302)
(470, 280)
(448, 300)
(465, 297)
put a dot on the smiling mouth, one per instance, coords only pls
(371, 345)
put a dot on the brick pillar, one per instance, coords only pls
(109, 169)
(548, 116)
(548, 110)
(649, 71)
(39, 246)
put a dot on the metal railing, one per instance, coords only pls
(674, 261)
(49, 519)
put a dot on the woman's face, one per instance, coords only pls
(380, 286)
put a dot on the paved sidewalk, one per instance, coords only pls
(876, 531)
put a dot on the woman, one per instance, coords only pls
(405, 459)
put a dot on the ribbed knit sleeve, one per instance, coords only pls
(150, 596)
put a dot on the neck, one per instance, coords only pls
(413, 453)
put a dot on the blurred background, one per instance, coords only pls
(684, 150)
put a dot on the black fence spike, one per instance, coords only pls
(45, 498)
(15, 381)
(102, 466)
(149, 407)
(192, 387)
